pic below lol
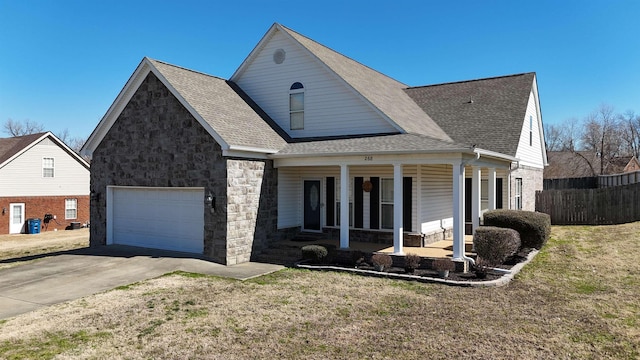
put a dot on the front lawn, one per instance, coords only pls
(577, 299)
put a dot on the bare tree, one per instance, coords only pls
(26, 127)
(563, 137)
(75, 143)
(602, 135)
(630, 128)
(553, 137)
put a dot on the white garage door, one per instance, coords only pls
(159, 218)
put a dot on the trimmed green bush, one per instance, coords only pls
(534, 227)
(315, 253)
(494, 244)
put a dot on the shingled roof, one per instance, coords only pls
(488, 113)
(13, 145)
(385, 93)
(389, 144)
(222, 105)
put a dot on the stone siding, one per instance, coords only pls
(251, 208)
(532, 181)
(156, 142)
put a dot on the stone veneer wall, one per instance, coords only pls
(532, 181)
(251, 208)
(156, 142)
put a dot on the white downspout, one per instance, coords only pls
(509, 180)
(462, 165)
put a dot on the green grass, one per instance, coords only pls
(49, 345)
(577, 299)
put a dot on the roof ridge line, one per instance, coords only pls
(471, 80)
(186, 69)
(341, 54)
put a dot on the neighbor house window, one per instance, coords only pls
(518, 194)
(386, 203)
(71, 208)
(47, 167)
(296, 106)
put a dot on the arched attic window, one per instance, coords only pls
(296, 106)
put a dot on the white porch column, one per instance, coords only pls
(398, 236)
(492, 189)
(458, 211)
(476, 193)
(344, 206)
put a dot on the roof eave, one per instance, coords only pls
(134, 82)
(60, 143)
(362, 153)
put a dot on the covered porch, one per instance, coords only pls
(391, 195)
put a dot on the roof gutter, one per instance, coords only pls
(361, 153)
(494, 154)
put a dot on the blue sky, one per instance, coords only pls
(62, 63)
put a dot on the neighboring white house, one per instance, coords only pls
(40, 175)
(302, 138)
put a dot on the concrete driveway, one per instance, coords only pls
(57, 278)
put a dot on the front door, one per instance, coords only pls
(16, 218)
(311, 205)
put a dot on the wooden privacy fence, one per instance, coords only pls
(603, 206)
(619, 179)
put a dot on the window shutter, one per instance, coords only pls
(374, 201)
(357, 203)
(406, 203)
(498, 193)
(330, 203)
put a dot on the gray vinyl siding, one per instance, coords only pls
(436, 197)
(530, 155)
(23, 175)
(290, 190)
(330, 108)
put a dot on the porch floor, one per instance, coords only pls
(439, 249)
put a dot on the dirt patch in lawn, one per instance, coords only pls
(576, 299)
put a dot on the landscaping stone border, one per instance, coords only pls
(503, 280)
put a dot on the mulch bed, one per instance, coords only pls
(470, 276)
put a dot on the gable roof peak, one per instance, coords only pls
(290, 31)
(12, 147)
(156, 62)
(382, 93)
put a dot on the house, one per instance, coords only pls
(304, 139)
(40, 175)
(579, 164)
(632, 165)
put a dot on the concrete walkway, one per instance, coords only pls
(70, 275)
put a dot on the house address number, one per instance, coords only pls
(368, 158)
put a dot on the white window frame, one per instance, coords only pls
(70, 204)
(298, 112)
(45, 167)
(530, 130)
(518, 194)
(388, 203)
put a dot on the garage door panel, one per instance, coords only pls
(166, 218)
